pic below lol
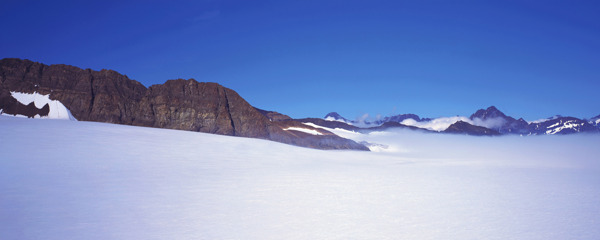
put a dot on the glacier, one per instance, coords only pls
(88, 180)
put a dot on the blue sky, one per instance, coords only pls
(304, 58)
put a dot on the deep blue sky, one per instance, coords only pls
(304, 58)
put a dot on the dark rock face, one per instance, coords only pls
(393, 124)
(203, 107)
(107, 96)
(274, 116)
(462, 127)
(10, 105)
(104, 96)
(490, 112)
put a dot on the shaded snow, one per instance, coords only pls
(57, 109)
(86, 180)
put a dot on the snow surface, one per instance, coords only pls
(86, 180)
(304, 130)
(57, 109)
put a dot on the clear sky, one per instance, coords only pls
(305, 58)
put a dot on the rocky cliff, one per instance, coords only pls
(108, 96)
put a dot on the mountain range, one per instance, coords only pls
(490, 121)
(33, 89)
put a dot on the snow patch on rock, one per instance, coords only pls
(57, 109)
(304, 130)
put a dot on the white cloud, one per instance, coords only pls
(441, 124)
(438, 124)
(492, 123)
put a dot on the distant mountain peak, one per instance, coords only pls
(490, 112)
(335, 116)
(462, 127)
(401, 117)
(492, 108)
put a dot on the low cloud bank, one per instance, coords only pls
(441, 124)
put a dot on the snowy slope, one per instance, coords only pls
(86, 180)
(57, 109)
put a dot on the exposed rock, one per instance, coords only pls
(462, 127)
(10, 105)
(107, 96)
(393, 124)
(506, 124)
(103, 96)
(326, 140)
(274, 116)
(204, 107)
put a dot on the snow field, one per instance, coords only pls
(84, 180)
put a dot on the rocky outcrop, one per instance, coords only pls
(274, 116)
(10, 105)
(107, 96)
(462, 127)
(103, 96)
(203, 107)
(393, 125)
(325, 139)
(504, 124)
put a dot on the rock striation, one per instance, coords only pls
(108, 96)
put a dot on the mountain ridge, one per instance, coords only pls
(492, 121)
(108, 96)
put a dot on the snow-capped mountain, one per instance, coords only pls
(490, 121)
(401, 117)
(495, 119)
(334, 116)
(595, 121)
(561, 125)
